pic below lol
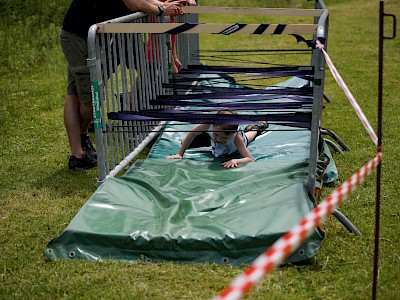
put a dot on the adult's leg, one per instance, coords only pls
(77, 103)
(77, 119)
(72, 121)
(86, 117)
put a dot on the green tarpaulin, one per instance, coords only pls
(193, 210)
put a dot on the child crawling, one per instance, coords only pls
(225, 140)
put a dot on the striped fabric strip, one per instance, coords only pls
(250, 106)
(182, 28)
(189, 28)
(224, 98)
(298, 119)
(306, 91)
(232, 29)
(307, 70)
(280, 28)
(266, 74)
(260, 29)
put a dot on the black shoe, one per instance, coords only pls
(85, 162)
(87, 146)
(260, 128)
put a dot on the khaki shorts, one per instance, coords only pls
(75, 51)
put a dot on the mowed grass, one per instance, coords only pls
(39, 195)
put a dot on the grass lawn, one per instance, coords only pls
(39, 195)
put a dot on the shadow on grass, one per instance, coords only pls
(62, 182)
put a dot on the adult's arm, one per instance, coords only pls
(151, 7)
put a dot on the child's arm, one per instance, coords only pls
(244, 152)
(189, 139)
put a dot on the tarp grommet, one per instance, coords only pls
(71, 254)
(302, 252)
(225, 260)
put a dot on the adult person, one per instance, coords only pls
(78, 111)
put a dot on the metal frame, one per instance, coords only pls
(115, 146)
(116, 83)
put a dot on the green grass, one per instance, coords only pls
(39, 196)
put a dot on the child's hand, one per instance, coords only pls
(230, 164)
(176, 156)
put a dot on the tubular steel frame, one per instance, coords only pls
(115, 61)
(115, 66)
(116, 83)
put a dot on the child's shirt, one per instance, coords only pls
(227, 148)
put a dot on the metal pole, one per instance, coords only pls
(378, 169)
(382, 37)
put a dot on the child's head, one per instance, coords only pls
(222, 132)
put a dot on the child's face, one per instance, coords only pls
(221, 137)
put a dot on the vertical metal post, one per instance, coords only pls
(382, 37)
(315, 118)
(96, 83)
(194, 44)
(317, 60)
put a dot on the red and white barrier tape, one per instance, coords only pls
(349, 95)
(284, 247)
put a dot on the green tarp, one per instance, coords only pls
(193, 210)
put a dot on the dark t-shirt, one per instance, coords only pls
(84, 13)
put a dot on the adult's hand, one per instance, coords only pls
(191, 2)
(173, 8)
